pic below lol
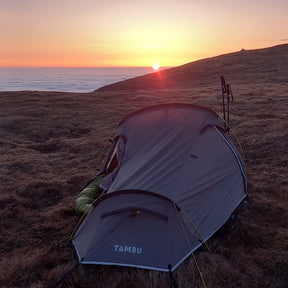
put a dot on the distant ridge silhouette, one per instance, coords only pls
(245, 66)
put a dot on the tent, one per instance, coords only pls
(172, 179)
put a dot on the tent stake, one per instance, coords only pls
(60, 281)
(173, 280)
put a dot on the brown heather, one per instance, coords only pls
(52, 143)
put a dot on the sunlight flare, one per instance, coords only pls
(156, 66)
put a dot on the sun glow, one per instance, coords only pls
(156, 66)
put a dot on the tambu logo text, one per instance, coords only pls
(127, 249)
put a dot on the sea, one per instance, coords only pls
(66, 79)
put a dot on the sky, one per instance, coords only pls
(112, 33)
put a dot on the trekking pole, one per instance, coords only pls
(229, 99)
(224, 91)
(230, 92)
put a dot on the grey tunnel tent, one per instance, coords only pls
(173, 178)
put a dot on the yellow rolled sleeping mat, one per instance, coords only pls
(86, 197)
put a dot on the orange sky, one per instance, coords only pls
(135, 33)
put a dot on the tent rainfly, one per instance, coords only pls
(172, 179)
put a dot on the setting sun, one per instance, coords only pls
(156, 66)
(45, 33)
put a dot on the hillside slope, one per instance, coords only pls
(246, 66)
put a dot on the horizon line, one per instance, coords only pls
(86, 66)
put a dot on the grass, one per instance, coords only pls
(52, 143)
